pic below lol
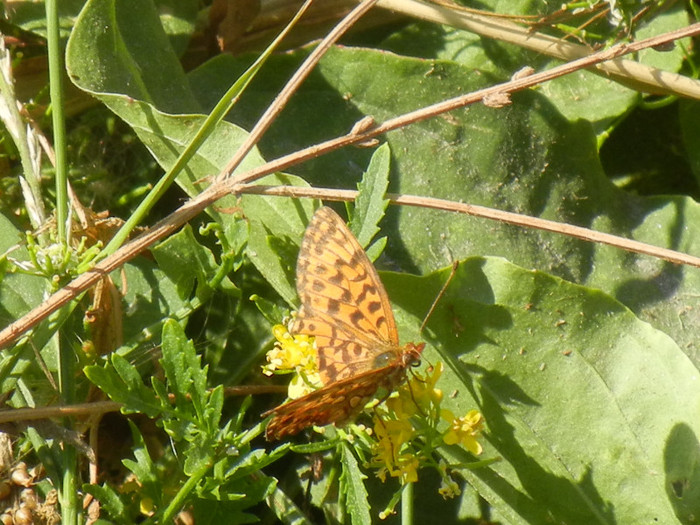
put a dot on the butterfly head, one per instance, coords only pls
(412, 353)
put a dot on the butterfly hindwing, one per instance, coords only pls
(335, 403)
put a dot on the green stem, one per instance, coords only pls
(59, 130)
(181, 497)
(407, 504)
(69, 497)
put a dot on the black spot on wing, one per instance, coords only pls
(333, 306)
(374, 306)
(367, 290)
(356, 317)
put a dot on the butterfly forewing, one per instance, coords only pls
(344, 304)
(345, 307)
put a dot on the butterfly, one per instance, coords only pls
(345, 307)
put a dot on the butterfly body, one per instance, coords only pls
(345, 307)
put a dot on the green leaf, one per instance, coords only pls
(111, 51)
(285, 509)
(178, 352)
(246, 494)
(49, 453)
(371, 202)
(271, 311)
(186, 262)
(211, 417)
(110, 501)
(281, 219)
(144, 468)
(145, 306)
(569, 382)
(198, 454)
(122, 383)
(352, 487)
(524, 158)
(376, 248)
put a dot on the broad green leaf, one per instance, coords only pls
(117, 48)
(145, 307)
(524, 158)
(668, 59)
(586, 404)
(274, 221)
(185, 261)
(136, 100)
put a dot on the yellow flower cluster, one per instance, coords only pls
(413, 412)
(293, 353)
(390, 435)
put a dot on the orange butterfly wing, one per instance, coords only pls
(345, 307)
(343, 302)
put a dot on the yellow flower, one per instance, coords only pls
(464, 430)
(406, 468)
(391, 436)
(449, 489)
(418, 395)
(293, 353)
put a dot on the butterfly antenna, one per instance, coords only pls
(455, 265)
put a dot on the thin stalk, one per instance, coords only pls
(69, 497)
(55, 53)
(180, 498)
(407, 504)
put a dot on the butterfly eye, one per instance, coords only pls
(383, 359)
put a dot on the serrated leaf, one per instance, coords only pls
(110, 501)
(212, 410)
(144, 468)
(376, 249)
(352, 487)
(371, 202)
(122, 383)
(235, 498)
(181, 364)
(199, 455)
